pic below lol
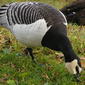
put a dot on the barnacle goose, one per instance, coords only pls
(38, 24)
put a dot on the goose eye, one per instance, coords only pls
(77, 69)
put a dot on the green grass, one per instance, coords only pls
(17, 69)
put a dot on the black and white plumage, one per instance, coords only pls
(38, 24)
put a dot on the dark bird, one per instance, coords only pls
(75, 12)
(38, 24)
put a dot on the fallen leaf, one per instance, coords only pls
(59, 57)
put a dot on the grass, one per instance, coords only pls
(17, 69)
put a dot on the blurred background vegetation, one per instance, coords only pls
(56, 3)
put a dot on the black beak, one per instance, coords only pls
(77, 77)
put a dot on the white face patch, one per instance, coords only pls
(32, 34)
(71, 67)
(65, 23)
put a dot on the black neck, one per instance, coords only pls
(69, 55)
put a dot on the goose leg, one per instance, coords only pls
(30, 50)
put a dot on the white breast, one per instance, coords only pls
(32, 34)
